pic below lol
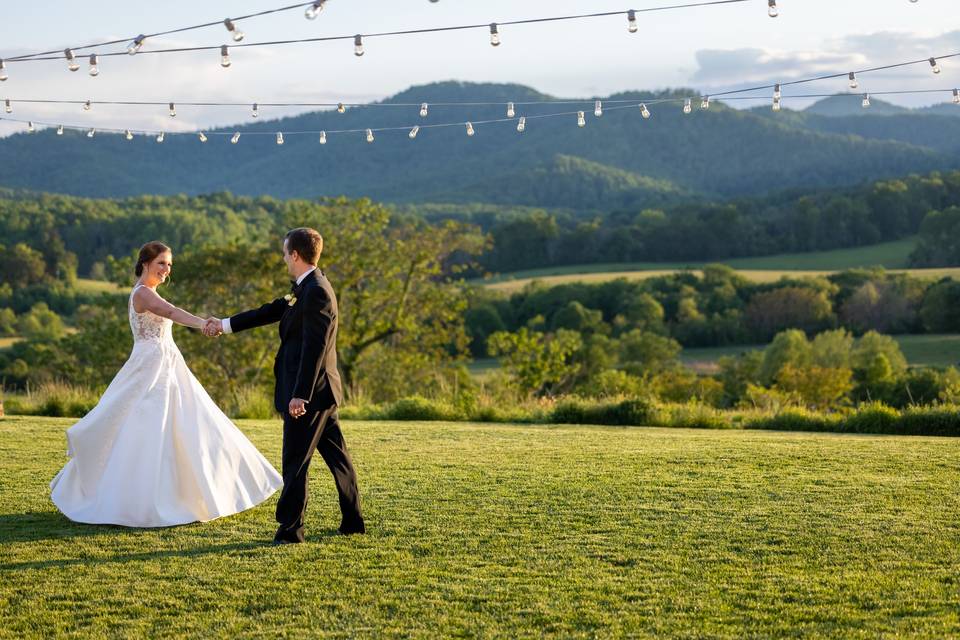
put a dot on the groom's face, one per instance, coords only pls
(288, 259)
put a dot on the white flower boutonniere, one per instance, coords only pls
(291, 299)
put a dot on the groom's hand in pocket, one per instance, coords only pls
(297, 407)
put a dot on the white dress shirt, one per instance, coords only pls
(225, 323)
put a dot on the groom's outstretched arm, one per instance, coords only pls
(318, 327)
(267, 314)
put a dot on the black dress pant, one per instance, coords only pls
(315, 431)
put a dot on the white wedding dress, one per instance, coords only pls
(156, 451)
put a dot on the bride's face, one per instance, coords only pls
(159, 269)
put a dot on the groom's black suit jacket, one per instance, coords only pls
(306, 363)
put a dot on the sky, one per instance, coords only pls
(709, 49)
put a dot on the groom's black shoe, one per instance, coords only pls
(279, 541)
(352, 528)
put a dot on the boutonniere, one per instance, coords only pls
(291, 299)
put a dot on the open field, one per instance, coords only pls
(97, 286)
(7, 342)
(517, 531)
(890, 255)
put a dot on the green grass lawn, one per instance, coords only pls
(510, 531)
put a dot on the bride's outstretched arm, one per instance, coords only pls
(148, 300)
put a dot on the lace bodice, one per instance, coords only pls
(147, 326)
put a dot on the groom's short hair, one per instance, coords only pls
(307, 242)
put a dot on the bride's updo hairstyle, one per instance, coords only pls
(148, 252)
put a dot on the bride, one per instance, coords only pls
(156, 451)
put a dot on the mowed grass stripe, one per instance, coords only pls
(516, 531)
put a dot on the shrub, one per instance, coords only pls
(939, 420)
(794, 419)
(872, 417)
(419, 408)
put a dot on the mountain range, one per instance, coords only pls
(616, 161)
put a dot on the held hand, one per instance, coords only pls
(212, 327)
(297, 407)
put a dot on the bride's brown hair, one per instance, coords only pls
(148, 252)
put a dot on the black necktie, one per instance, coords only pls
(293, 285)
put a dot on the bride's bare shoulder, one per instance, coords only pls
(146, 299)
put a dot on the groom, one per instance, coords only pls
(308, 389)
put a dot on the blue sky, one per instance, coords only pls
(710, 48)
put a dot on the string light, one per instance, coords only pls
(687, 106)
(279, 137)
(341, 108)
(202, 136)
(413, 132)
(494, 34)
(314, 10)
(235, 138)
(3, 71)
(470, 130)
(705, 103)
(423, 110)
(511, 112)
(598, 108)
(934, 65)
(60, 130)
(369, 135)
(581, 120)
(522, 124)
(644, 111)
(7, 106)
(128, 134)
(234, 32)
(173, 110)
(956, 96)
(632, 21)
(358, 45)
(853, 80)
(160, 137)
(136, 45)
(94, 65)
(91, 133)
(323, 137)
(255, 111)
(72, 63)
(30, 127)
(776, 91)
(224, 56)
(87, 105)
(772, 10)
(866, 101)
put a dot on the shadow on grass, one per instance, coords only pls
(52, 526)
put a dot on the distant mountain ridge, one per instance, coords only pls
(618, 160)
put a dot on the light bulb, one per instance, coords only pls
(255, 112)
(232, 28)
(7, 106)
(3, 71)
(424, 109)
(369, 135)
(235, 138)
(644, 111)
(279, 137)
(341, 108)
(202, 136)
(522, 124)
(581, 120)
(224, 56)
(687, 106)
(776, 91)
(494, 34)
(173, 110)
(776, 104)
(94, 65)
(323, 137)
(358, 45)
(705, 103)
(413, 133)
(772, 10)
(30, 127)
(956, 96)
(598, 108)
(853, 80)
(470, 130)
(136, 45)
(510, 110)
(87, 105)
(72, 63)
(632, 21)
(934, 65)
(866, 101)
(60, 130)
(160, 137)
(91, 133)
(314, 10)
(128, 134)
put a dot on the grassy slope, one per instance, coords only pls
(518, 531)
(891, 255)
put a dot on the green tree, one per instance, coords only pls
(820, 387)
(21, 265)
(40, 323)
(539, 363)
(643, 352)
(788, 348)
